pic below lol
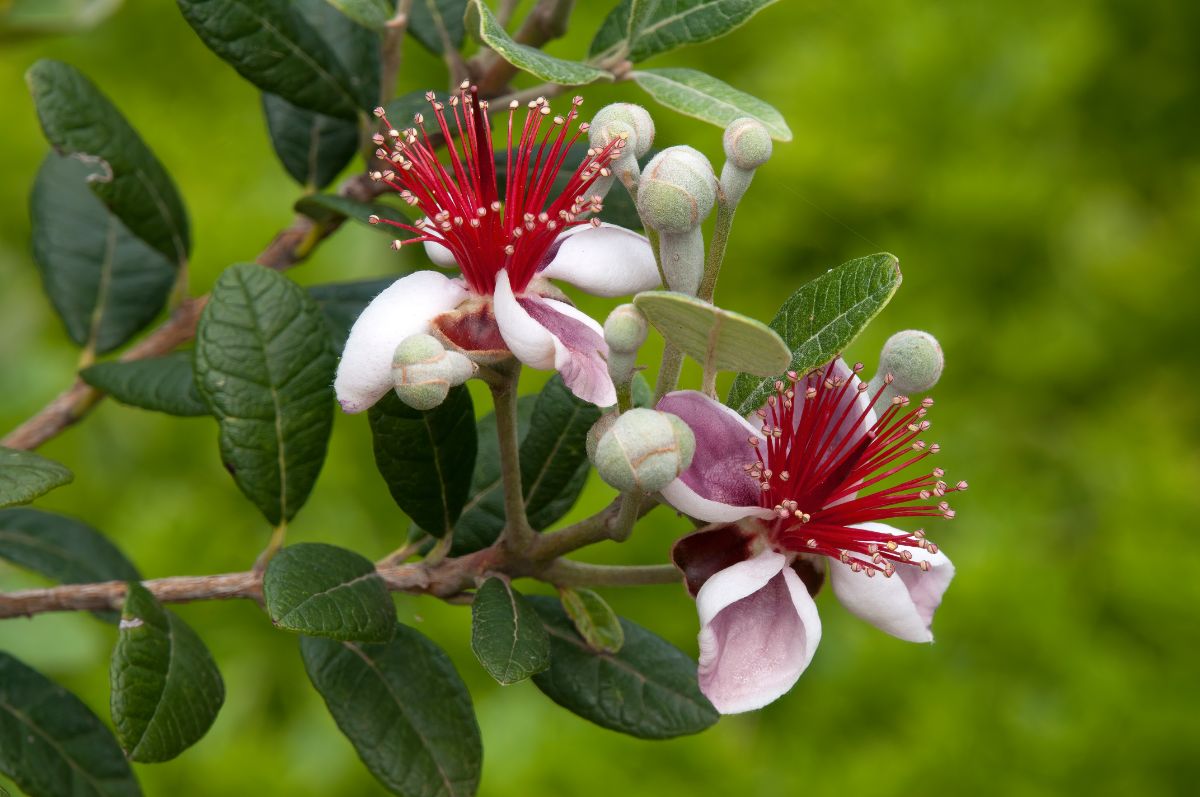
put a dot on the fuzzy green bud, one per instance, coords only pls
(624, 331)
(675, 195)
(623, 117)
(644, 450)
(747, 146)
(424, 371)
(913, 360)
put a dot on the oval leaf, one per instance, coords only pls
(644, 28)
(648, 689)
(51, 744)
(313, 147)
(61, 548)
(507, 634)
(819, 321)
(426, 458)
(166, 689)
(404, 708)
(702, 96)
(78, 120)
(264, 366)
(372, 14)
(328, 591)
(594, 619)
(24, 476)
(105, 283)
(554, 464)
(164, 384)
(273, 46)
(438, 24)
(530, 59)
(720, 340)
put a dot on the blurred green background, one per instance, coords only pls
(1034, 166)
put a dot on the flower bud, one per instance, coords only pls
(624, 331)
(598, 430)
(644, 450)
(676, 193)
(623, 117)
(747, 146)
(424, 371)
(913, 359)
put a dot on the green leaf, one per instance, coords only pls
(264, 366)
(648, 689)
(313, 147)
(426, 458)
(594, 619)
(166, 689)
(333, 208)
(371, 14)
(164, 384)
(507, 634)
(820, 320)
(78, 120)
(61, 548)
(702, 96)
(438, 24)
(343, 302)
(24, 18)
(51, 744)
(644, 28)
(554, 461)
(530, 59)
(400, 110)
(720, 340)
(105, 283)
(272, 45)
(404, 708)
(357, 48)
(323, 590)
(24, 476)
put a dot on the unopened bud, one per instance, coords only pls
(747, 146)
(644, 450)
(623, 117)
(624, 331)
(913, 359)
(424, 371)
(676, 193)
(598, 430)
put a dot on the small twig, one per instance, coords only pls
(392, 52)
(567, 573)
(518, 535)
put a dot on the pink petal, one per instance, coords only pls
(758, 631)
(902, 605)
(716, 486)
(404, 308)
(546, 333)
(604, 261)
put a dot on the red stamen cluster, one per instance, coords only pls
(466, 213)
(825, 452)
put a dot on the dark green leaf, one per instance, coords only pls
(264, 366)
(51, 744)
(531, 59)
(594, 619)
(313, 147)
(405, 710)
(554, 461)
(644, 28)
(438, 24)
(61, 548)
(333, 208)
(328, 591)
(507, 634)
(343, 302)
(704, 97)
(819, 321)
(105, 282)
(400, 110)
(78, 120)
(273, 46)
(371, 14)
(164, 384)
(357, 48)
(427, 458)
(24, 476)
(648, 689)
(166, 689)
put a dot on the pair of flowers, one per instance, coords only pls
(801, 489)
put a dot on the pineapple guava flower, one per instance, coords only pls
(817, 481)
(507, 237)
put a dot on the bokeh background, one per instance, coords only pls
(1034, 165)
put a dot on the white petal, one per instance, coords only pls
(529, 341)
(902, 605)
(758, 631)
(404, 308)
(604, 261)
(439, 255)
(692, 504)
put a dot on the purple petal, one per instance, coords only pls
(758, 631)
